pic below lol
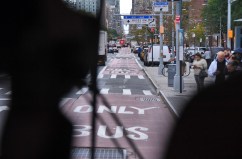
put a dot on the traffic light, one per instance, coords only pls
(152, 29)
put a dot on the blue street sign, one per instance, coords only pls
(160, 3)
(138, 17)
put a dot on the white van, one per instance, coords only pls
(156, 55)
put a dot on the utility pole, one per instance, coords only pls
(161, 66)
(173, 32)
(178, 79)
(229, 24)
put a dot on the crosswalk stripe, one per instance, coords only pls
(126, 92)
(104, 91)
(141, 77)
(113, 76)
(147, 92)
(82, 91)
(127, 76)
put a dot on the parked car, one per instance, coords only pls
(115, 49)
(192, 51)
(214, 51)
(110, 50)
(135, 49)
(156, 55)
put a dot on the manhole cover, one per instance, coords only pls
(146, 99)
(100, 153)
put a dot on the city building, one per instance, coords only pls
(91, 6)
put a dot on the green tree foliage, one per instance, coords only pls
(216, 12)
(139, 34)
(112, 34)
(236, 12)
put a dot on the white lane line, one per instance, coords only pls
(82, 91)
(101, 72)
(2, 108)
(8, 93)
(64, 101)
(5, 99)
(100, 76)
(126, 92)
(147, 92)
(127, 76)
(104, 91)
(141, 77)
(113, 76)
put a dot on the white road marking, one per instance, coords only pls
(104, 91)
(100, 76)
(113, 76)
(5, 99)
(127, 76)
(82, 91)
(64, 101)
(2, 108)
(126, 92)
(147, 92)
(101, 72)
(141, 77)
(8, 93)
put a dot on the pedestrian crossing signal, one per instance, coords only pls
(230, 34)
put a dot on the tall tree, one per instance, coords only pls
(215, 15)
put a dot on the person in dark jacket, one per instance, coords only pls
(210, 126)
(217, 68)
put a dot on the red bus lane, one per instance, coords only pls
(130, 116)
(146, 123)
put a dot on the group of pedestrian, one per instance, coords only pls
(225, 65)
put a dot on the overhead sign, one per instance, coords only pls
(160, 5)
(146, 19)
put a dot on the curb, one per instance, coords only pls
(160, 93)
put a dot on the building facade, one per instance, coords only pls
(91, 6)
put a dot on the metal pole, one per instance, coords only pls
(161, 66)
(229, 24)
(173, 32)
(220, 33)
(152, 36)
(178, 79)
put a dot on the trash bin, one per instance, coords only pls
(171, 74)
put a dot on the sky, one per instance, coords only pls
(125, 8)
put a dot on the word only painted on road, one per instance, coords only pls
(134, 133)
(113, 109)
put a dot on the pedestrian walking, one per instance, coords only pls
(238, 57)
(217, 68)
(227, 53)
(207, 56)
(198, 64)
(231, 69)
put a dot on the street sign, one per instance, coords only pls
(137, 19)
(160, 5)
(177, 20)
(152, 23)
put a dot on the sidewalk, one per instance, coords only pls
(175, 100)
